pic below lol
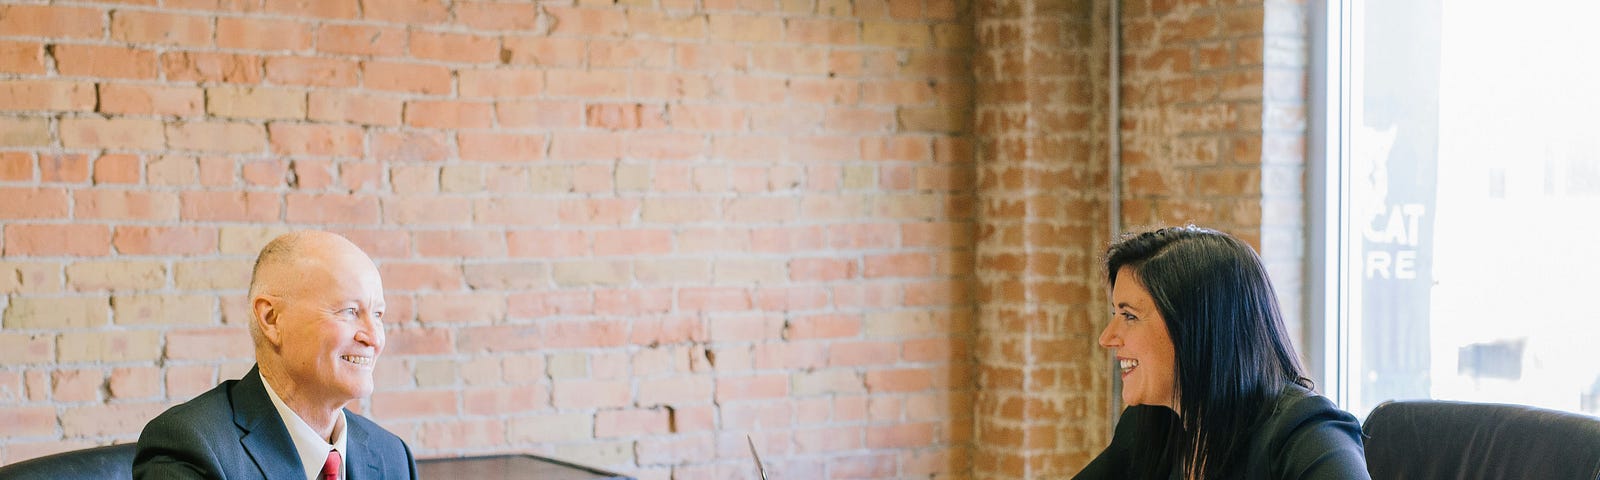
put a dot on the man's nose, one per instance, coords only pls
(370, 331)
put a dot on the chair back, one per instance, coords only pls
(1457, 440)
(111, 462)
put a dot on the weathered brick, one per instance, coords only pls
(34, 203)
(139, 240)
(448, 114)
(591, 393)
(116, 275)
(365, 40)
(211, 67)
(155, 27)
(588, 22)
(406, 11)
(109, 346)
(106, 204)
(46, 239)
(64, 167)
(52, 21)
(263, 34)
(116, 419)
(331, 209)
(220, 137)
(317, 140)
(585, 84)
(410, 147)
(372, 109)
(135, 382)
(454, 47)
(637, 422)
(207, 344)
(744, 28)
(500, 147)
(551, 428)
(406, 77)
(22, 132)
(132, 133)
(56, 312)
(230, 206)
(540, 114)
(148, 99)
(30, 277)
(313, 71)
(248, 102)
(213, 274)
(334, 9)
(105, 61)
(47, 95)
(164, 310)
(25, 348)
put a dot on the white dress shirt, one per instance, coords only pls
(313, 449)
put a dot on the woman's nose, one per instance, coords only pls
(1109, 334)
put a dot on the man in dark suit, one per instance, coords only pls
(316, 307)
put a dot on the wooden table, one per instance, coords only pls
(509, 467)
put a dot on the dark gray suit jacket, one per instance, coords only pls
(1304, 437)
(234, 432)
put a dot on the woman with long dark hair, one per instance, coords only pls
(1214, 388)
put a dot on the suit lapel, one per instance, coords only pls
(262, 433)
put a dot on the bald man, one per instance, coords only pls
(316, 306)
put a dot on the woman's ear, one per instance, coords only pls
(265, 311)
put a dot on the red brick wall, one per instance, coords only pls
(1214, 122)
(629, 233)
(1212, 125)
(1192, 114)
(1042, 72)
(621, 233)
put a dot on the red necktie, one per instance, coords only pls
(330, 469)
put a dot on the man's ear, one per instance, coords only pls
(265, 312)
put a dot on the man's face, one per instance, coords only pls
(331, 328)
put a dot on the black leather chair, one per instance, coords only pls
(111, 462)
(1457, 440)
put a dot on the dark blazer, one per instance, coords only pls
(234, 432)
(1306, 437)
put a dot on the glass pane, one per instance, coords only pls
(1473, 190)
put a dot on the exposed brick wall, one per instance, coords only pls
(1043, 80)
(621, 233)
(628, 233)
(1192, 115)
(1213, 125)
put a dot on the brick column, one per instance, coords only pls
(1042, 80)
(1213, 126)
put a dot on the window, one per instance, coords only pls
(1462, 203)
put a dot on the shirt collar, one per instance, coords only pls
(311, 447)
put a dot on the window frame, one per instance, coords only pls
(1328, 325)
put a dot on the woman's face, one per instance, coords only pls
(1138, 336)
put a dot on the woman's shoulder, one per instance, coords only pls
(1299, 411)
(1307, 434)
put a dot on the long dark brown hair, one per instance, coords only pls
(1233, 353)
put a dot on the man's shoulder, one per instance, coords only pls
(388, 452)
(373, 431)
(210, 406)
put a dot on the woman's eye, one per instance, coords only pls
(1129, 317)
